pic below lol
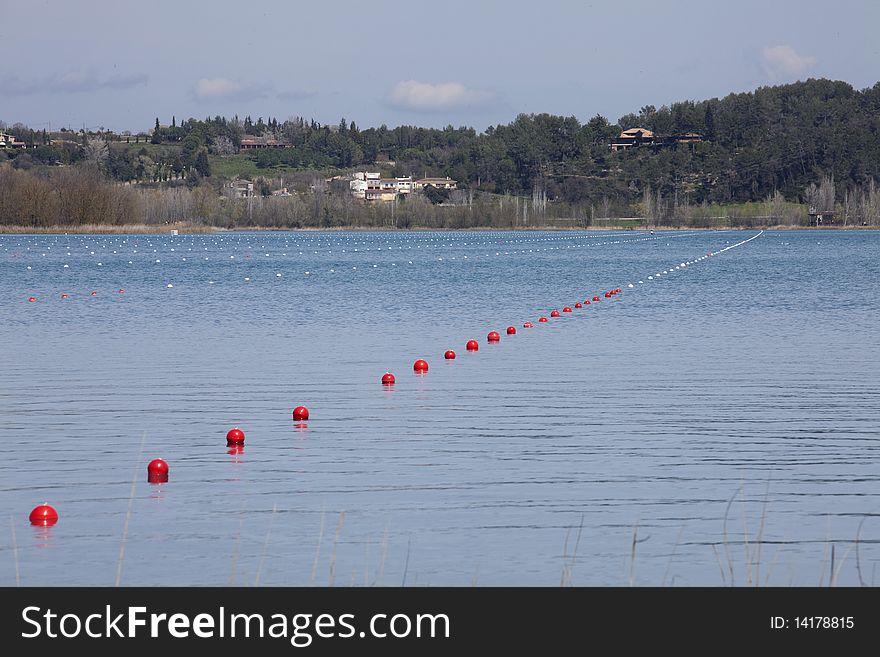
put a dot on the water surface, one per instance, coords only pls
(724, 414)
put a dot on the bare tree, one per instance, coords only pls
(222, 145)
(97, 151)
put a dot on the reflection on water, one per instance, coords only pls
(725, 413)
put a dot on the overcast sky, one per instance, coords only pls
(119, 63)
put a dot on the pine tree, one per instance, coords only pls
(203, 167)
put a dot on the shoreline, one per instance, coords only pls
(184, 229)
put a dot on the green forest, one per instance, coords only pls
(815, 143)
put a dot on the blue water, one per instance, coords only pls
(724, 416)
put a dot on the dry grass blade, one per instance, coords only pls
(265, 545)
(335, 543)
(15, 552)
(128, 512)
(318, 548)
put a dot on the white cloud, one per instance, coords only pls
(785, 61)
(426, 97)
(208, 89)
(70, 82)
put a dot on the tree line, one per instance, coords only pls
(777, 148)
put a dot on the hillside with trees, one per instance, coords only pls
(767, 154)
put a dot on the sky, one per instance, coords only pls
(120, 64)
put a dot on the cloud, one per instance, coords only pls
(76, 81)
(785, 61)
(295, 94)
(426, 97)
(208, 89)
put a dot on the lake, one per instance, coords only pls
(716, 423)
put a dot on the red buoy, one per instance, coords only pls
(420, 366)
(578, 305)
(300, 414)
(586, 302)
(493, 336)
(157, 471)
(64, 296)
(388, 379)
(542, 319)
(472, 345)
(555, 313)
(511, 330)
(528, 325)
(607, 295)
(449, 355)
(234, 436)
(32, 299)
(566, 309)
(595, 298)
(121, 291)
(94, 294)
(44, 516)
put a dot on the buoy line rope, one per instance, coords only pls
(421, 366)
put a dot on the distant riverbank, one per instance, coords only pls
(152, 229)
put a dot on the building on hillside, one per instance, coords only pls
(439, 183)
(360, 181)
(9, 141)
(634, 137)
(241, 188)
(387, 189)
(253, 142)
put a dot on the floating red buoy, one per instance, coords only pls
(300, 414)
(578, 305)
(595, 298)
(607, 295)
(64, 296)
(121, 291)
(493, 336)
(542, 319)
(528, 325)
(32, 299)
(94, 294)
(235, 436)
(44, 516)
(586, 302)
(511, 330)
(566, 309)
(472, 345)
(157, 471)
(388, 379)
(555, 313)
(449, 355)
(420, 365)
